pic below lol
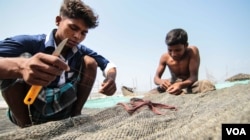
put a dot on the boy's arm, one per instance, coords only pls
(109, 85)
(11, 68)
(159, 71)
(40, 69)
(108, 68)
(193, 67)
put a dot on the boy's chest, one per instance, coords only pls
(179, 64)
(179, 67)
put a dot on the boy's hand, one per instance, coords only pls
(165, 84)
(174, 89)
(42, 69)
(108, 87)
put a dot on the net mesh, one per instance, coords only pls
(199, 116)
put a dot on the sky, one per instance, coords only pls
(131, 33)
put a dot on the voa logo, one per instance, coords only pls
(236, 131)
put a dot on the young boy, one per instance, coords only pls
(183, 62)
(67, 80)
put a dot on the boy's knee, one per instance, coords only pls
(90, 62)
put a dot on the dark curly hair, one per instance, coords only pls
(176, 36)
(79, 10)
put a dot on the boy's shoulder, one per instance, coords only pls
(165, 55)
(27, 38)
(193, 48)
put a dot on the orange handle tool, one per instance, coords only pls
(35, 89)
(32, 94)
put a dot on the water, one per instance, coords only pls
(229, 84)
(109, 101)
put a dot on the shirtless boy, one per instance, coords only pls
(183, 62)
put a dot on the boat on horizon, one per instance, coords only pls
(127, 91)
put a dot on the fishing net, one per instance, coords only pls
(198, 116)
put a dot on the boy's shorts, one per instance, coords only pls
(38, 118)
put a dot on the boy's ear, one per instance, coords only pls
(58, 20)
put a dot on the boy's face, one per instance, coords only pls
(177, 51)
(74, 29)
